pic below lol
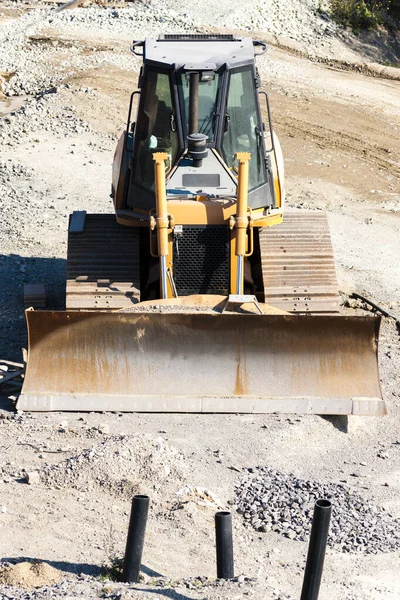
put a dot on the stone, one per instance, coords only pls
(270, 500)
(32, 477)
(104, 428)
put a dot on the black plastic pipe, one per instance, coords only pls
(316, 550)
(224, 543)
(135, 541)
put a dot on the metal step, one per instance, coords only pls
(103, 265)
(297, 263)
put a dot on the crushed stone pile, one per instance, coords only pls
(29, 575)
(272, 501)
(119, 465)
(26, 61)
(9, 169)
(42, 114)
(169, 308)
(306, 21)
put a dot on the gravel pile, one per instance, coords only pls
(272, 501)
(9, 169)
(136, 21)
(169, 308)
(45, 113)
(30, 72)
(301, 20)
(29, 575)
(119, 464)
(29, 61)
(28, 58)
(18, 195)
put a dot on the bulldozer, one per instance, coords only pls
(199, 293)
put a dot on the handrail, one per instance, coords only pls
(269, 120)
(264, 47)
(129, 116)
(137, 44)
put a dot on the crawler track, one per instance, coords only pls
(103, 269)
(297, 262)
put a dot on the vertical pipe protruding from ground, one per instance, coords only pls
(242, 219)
(224, 544)
(194, 78)
(162, 221)
(316, 550)
(135, 541)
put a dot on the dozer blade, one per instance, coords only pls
(202, 362)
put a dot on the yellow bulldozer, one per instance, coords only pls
(199, 294)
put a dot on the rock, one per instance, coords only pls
(383, 455)
(32, 477)
(104, 428)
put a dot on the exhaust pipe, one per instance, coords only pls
(194, 102)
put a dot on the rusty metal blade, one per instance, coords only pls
(202, 362)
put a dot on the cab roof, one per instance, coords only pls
(198, 51)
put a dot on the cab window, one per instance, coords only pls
(155, 131)
(208, 93)
(242, 126)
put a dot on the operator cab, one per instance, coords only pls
(199, 103)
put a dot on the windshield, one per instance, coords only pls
(208, 91)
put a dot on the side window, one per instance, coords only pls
(154, 131)
(241, 130)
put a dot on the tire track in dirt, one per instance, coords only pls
(326, 137)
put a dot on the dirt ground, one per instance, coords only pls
(340, 133)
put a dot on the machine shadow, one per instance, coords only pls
(339, 422)
(65, 567)
(171, 593)
(96, 571)
(168, 593)
(15, 272)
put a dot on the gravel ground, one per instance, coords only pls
(63, 111)
(270, 500)
(305, 23)
(115, 464)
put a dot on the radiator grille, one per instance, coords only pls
(201, 260)
(198, 37)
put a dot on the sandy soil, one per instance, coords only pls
(340, 135)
